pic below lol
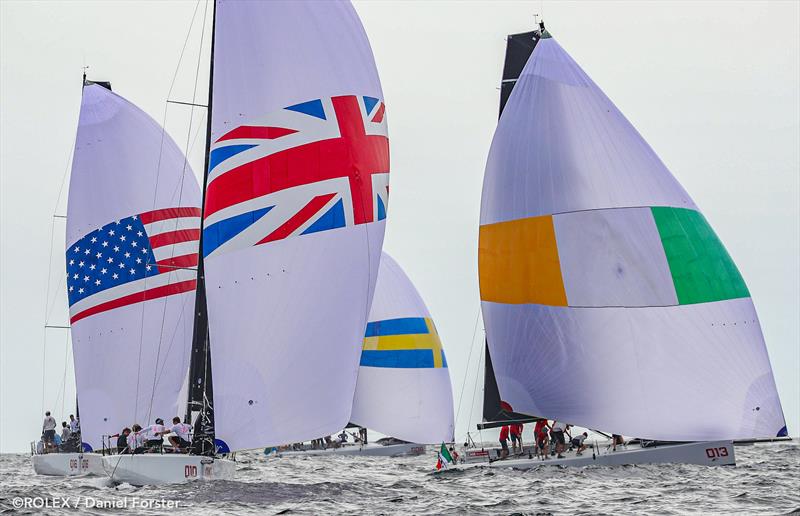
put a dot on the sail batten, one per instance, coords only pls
(609, 301)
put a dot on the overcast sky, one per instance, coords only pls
(713, 87)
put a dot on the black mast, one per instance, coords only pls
(201, 387)
(519, 48)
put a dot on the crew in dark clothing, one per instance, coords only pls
(122, 441)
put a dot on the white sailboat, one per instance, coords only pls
(403, 387)
(296, 186)
(608, 300)
(132, 230)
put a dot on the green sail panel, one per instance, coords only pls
(701, 268)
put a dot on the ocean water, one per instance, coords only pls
(766, 480)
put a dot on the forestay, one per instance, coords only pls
(294, 218)
(133, 222)
(403, 385)
(609, 302)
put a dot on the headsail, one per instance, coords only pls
(133, 221)
(609, 302)
(403, 385)
(294, 216)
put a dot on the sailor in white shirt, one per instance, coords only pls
(74, 426)
(180, 434)
(154, 434)
(557, 434)
(48, 428)
(136, 440)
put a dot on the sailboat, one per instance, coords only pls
(131, 245)
(608, 300)
(295, 195)
(403, 387)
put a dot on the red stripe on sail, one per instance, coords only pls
(174, 237)
(168, 213)
(378, 118)
(354, 155)
(249, 131)
(298, 218)
(187, 260)
(153, 293)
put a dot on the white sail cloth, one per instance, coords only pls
(608, 300)
(294, 217)
(403, 385)
(132, 218)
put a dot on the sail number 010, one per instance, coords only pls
(714, 453)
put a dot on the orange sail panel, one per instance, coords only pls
(518, 262)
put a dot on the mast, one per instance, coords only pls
(201, 390)
(519, 48)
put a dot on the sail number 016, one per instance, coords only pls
(714, 453)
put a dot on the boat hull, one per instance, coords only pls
(370, 450)
(68, 464)
(707, 453)
(159, 469)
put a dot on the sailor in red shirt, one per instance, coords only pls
(516, 435)
(540, 436)
(504, 441)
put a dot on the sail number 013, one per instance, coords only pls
(714, 453)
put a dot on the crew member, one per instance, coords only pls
(136, 440)
(122, 441)
(516, 436)
(48, 429)
(557, 434)
(74, 425)
(180, 437)
(65, 432)
(542, 440)
(578, 442)
(154, 435)
(504, 431)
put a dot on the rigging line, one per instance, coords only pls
(179, 323)
(47, 295)
(200, 126)
(48, 305)
(180, 199)
(155, 193)
(55, 297)
(469, 361)
(64, 376)
(474, 391)
(67, 168)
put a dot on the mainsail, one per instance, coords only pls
(133, 221)
(296, 197)
(609, 302)
(403, 385)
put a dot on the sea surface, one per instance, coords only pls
(766, 480)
